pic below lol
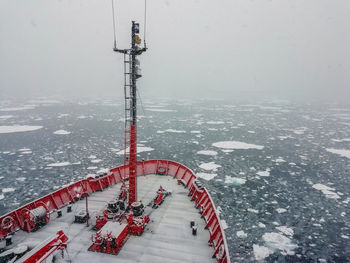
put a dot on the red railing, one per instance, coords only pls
(13, 221)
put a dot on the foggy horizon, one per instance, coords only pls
(197, 49)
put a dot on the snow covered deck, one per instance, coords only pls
(167, 238)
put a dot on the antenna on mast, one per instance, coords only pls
(132, 72)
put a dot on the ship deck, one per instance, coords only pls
(167, 237)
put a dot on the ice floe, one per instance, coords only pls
(223, 224)
(234, 180)
(160, 110)
(59, 164)
(21, 179)
(207, 152)
(62, 132)
(26, 107)
(326, 190)
(6, 117)
(18, 128)
(206, 176)
(241, 234)
(236, 145)
(261, 252)
(140, 149)
(341, 152)
(215, 122)
(264, 173)
(209, 166)
(285, 230)
(8, 190)
(2, 196)
(281, 210)
(277, 241)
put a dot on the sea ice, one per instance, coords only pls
(25, 107)
(5, 117)
(285, 230)
(215, 122)
(21, 179)
(61, 132)
(326, 190)
(209, 166)
(59, 164)
(236, 145)
(277, 241)
(8, 190)
(234, 180)
(18, 128)
(160, 110)
(281, 210)
(261, 252)
(96, 160)
(175, 131)
(264, 173)
(341, 152)
(140, 149)
(2, 196)
(241, 234)
(207, 152)
(206, 176)
(223, 224)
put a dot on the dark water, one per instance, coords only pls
(282, 210)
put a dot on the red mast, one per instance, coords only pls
(131, 74)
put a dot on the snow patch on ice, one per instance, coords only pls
(264, 173)
(236, 145)
(207, 152)
(241, 234)
(206, 176)
(18, 128)
(59, 164)
(61, 132)
(277, 241)
(234, 180)
(341, 152)
(326, 190)
(261, 252)
(140, 149)
(8, 190)
(209, 166)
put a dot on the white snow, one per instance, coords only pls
(261, 252)
(234, 180)
(207, 152)
(140, 149)
(18, 128)
(281, 210)
(241, 234)
(264, 173)
(341, 152)
(8, 190)
(326, 190)
(61, 132)
(285, 230)
(224, 224)
(209, 166)
(206, 176)
(59, 164)
(236, 145)
(277, 241)
(5, 117)
(252, 210)
(160, 110)
(21, 179)
(26, 107)
(175, 131)
(215, 122)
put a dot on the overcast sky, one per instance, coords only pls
(197, 48)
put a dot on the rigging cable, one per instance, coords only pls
(144, 24)
(115, 38)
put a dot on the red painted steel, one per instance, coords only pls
(132, 166)
(48, 247)
(73, 192)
